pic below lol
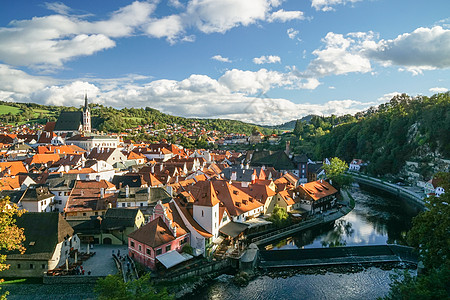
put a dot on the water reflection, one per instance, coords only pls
(377, 219)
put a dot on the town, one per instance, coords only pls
(167, 208)
(167, 204)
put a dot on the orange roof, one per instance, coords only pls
(236, 201)
(318, 189)
(204, 193)
(43, 158)
(12, 167)
(286, 197)
(9, 183)
(190, 219)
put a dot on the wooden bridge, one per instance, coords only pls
(337, 256)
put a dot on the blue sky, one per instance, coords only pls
(260, 61)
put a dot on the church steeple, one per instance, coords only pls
(86, 116)
(86, 107)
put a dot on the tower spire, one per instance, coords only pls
(85, 101)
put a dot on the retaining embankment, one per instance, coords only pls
(71, 279)
(388, 187)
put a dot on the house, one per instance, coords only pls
(286, 200)
(37, 198)
(49, 241)
(302, 162)
(434, 187)
(316, 196)
(90, 198)
(89, 142)
(162, 239)
(355, 165)
(118, 223)
(240, 205)
(109, 155)
(141, 197)
(263, 191)
(61, 186)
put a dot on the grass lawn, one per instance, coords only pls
(5, 109)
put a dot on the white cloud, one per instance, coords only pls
(48, 42)
(170, 27)
(196, 96)
(220, 58)
(284, 16)
(220, 16)
(269, 59)
(388, 97)
(422, 49)
(340, 55)
(58, 7)
(438, 90)
(328, 5)
(292, 33)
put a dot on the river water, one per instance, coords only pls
(378, 219)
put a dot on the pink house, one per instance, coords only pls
(161, 239)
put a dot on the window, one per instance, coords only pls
(84, 214)
(60, 193)
(203, 213)
(123, 204)
(158, 251)
(18, 266)
(149, 252)
(31, 266)
(142, 204)
(43, 266)
(140, 248)
(132, 244)
(168, 248)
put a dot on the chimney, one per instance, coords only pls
(247, 166)
(153, 169)
(127, 191)
(161, 167)
(102, 193)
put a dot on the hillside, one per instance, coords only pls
(406, 128)
(291, 124)
(118, 120)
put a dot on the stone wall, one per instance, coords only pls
(70, 279)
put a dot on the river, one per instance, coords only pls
(378, 218)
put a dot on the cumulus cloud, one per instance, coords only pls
(284, 16)
(340, 55)
(422, 49)
(170, 27)
(220, 58)
(231, 96)
(328, 5)
(438, 90)
(269, 59)
(49, 41)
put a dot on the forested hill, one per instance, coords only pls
(110, 119)
(404, 128)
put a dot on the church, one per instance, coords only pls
(71, 123)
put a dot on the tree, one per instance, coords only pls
(335, 171)
(279, 216)
(11, 236)
(430, 231)
(113, 287)
(429, 236)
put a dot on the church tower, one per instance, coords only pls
(86, 116)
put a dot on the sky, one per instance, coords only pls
(260, 61)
